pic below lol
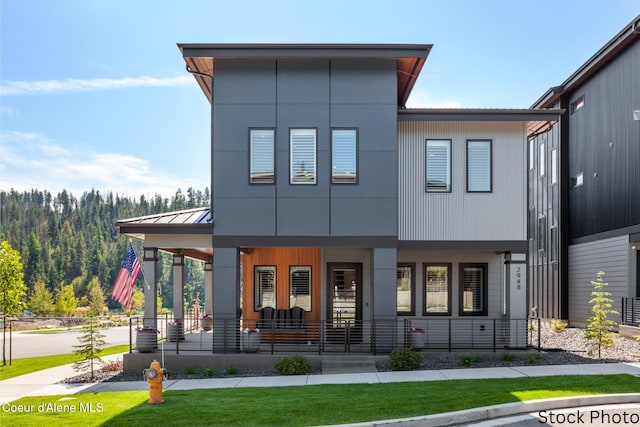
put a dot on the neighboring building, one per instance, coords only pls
(329, 195)
(584, 185)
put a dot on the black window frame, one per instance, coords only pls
(412, 267)
(484, 289)
(426, 166)
(356, 156)
(291, 267)
(257, 307)
(490, 141)
(315, 156)
(273, 180)
(449, 267)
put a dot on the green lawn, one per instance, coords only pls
(303, 405)
(33, 364)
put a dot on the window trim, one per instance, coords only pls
(490, 142)
(577, 104)
(291, 267)
(412, 266)
(315, 156)
(449, 166)
(485, 289)
(554, 166)
(273, 181)
(275, 285)
(542, 170)
(449, 267)
(356, 157)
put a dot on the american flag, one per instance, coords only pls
(126, 280)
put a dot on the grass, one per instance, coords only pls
(304, 405)
(32, 364)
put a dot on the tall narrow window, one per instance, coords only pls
(532, 152)
(473, 289)
(343, 156)
(300, 287)
(438, 166)
(265, 286)
(261, 156)
(302, 156)
(437, 289)
(542, 233)
(541, 160)
(554, 166)
(479, 166)
(554, 245)
(405, 289)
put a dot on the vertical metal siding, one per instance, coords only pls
(585, 260)
(500, 215)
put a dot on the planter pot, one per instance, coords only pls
(207, 323)
(250, 341)
(146, 341)
(175, 331)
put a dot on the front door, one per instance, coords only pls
(345, 301)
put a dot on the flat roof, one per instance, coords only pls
(200, 58)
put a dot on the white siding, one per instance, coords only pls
(500, 215)
(585, 260)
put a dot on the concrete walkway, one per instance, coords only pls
(44, 383)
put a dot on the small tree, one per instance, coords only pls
(96, 297)
(12, 288)
(91, 344)
(66, 301)
(41, 300)
(599, 332)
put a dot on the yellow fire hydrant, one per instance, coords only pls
(154, 375)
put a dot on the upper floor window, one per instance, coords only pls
(302, 156)
(541, 160)
(479, 166)
(554, 166)
(261, 156)
(473, 289)
(300, 287)
(344, 156)
(577, 104)
(405, 289)
(438, 166)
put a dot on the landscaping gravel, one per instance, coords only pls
(558, 348)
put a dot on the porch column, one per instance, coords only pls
(226, 300)
(516, 288)
(150, 260)
(208, 288)
(384, 266)
(178, 288)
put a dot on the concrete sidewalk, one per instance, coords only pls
(45, 382)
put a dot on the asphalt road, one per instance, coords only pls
(26, 344)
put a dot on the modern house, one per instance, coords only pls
(341, 219)
(584, 187)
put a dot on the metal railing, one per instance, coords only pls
(323, 337)
(630, 311)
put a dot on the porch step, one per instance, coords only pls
(348, 365)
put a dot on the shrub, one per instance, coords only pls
(558, 325)
(294, 364)
(209, 372)
(470, 360)
(533, 359)
(189, 370)
(508, 357)
(233, 370)
(404, 359)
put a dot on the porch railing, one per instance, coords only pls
(630, 311)
(323, 337)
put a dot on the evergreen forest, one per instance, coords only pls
(65, 240)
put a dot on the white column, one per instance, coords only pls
(208, 288)
(150, 288)
(178, 287)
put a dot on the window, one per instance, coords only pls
(437, 289)
(542, 233)
(541, 165)
(261, 155)
(577, 104)
(576, 181)
(405, 289)
(302, 156)
(554, 166)
(265, 287)
(300, 287)
(479, 166)
(473, 289)
(532, 151)
(344, 156)
(554, 245)
(438, 166)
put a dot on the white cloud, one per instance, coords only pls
(41, 87)
(32, 161)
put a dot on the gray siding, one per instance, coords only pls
(305, 93)
(585, 260)
(500, 215)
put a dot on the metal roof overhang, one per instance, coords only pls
(537, 119)
(410, 58)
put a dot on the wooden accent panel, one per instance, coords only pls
(282, 258)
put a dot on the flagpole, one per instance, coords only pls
(144, 276)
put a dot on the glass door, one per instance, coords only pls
(345, 301)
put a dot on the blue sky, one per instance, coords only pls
(94, 93)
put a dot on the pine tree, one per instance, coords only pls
(66, 301)
(91, 344)
(599, 332)
(96, 297)
(41, 300)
